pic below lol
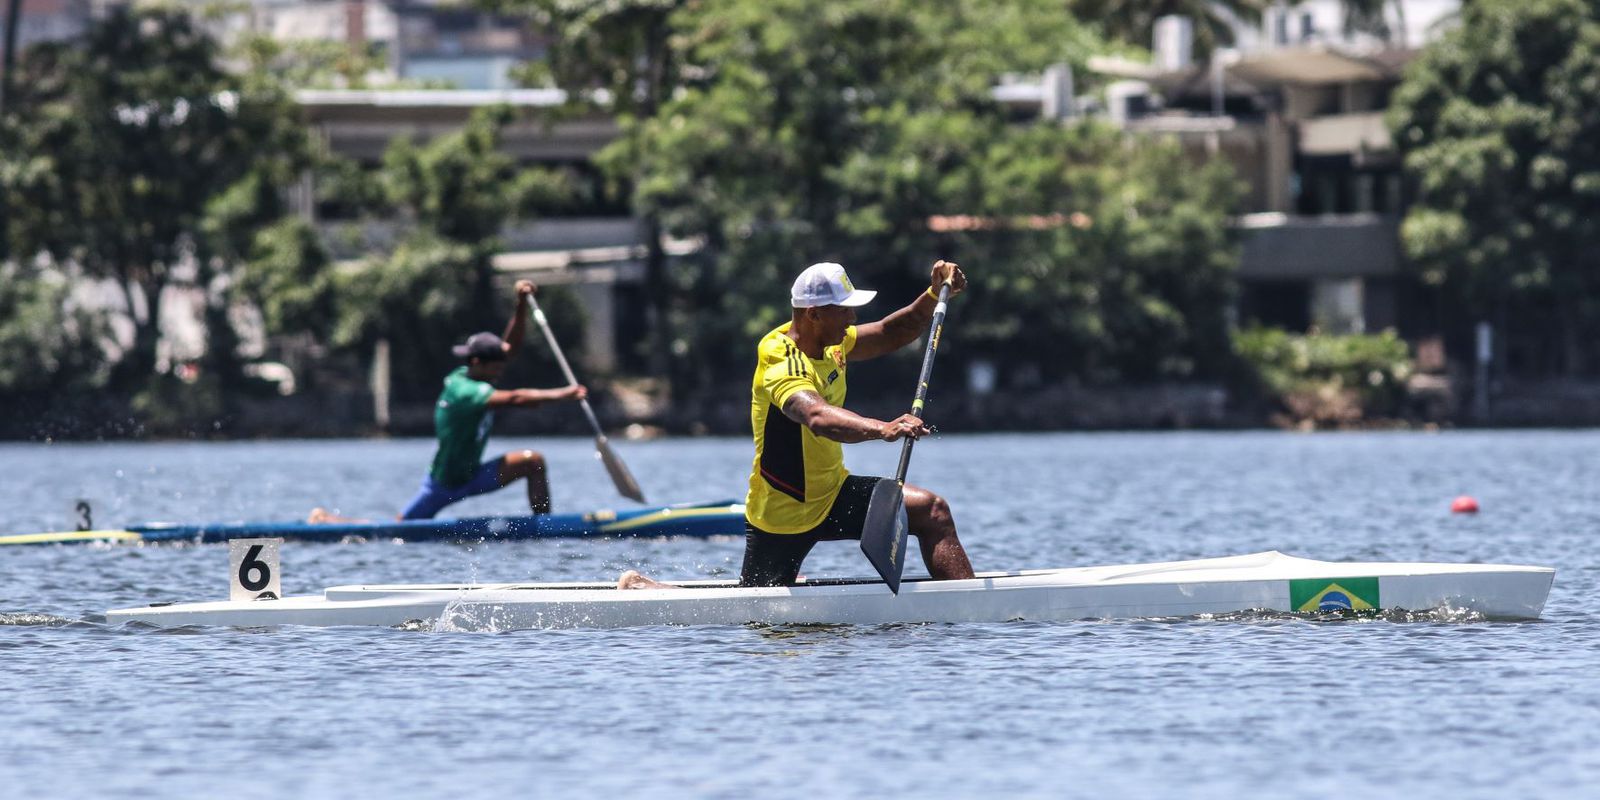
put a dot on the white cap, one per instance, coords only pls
(825, 284)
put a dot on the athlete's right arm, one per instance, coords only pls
(526, 398)
(841, 425)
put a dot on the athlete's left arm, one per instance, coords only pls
(904, 326)
(528, 398)
(518, 326)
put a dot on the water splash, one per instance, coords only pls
(462, 617)
(1445, 614)
(32, 619)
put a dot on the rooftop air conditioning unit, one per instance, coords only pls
(1276, 21)
(1058, 101)
(1173, 43)
(1127, 100)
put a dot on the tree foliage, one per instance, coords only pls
(1499, 124)
(1116, 259)
(774, 133)
(312, 64)
(47, 342)
(453, 196)
(623, 48)
(1323, 379)
(121, 144)
(289, 277)
(840, 132)
(624, 52)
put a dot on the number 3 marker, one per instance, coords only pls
(253, 566)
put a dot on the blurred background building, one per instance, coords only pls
(1295, 103)
(1297, 106)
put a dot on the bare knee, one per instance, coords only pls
(521, 464)
(931, 509)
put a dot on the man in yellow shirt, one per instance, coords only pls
(800, 492)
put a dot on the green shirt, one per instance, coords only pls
(461, 421)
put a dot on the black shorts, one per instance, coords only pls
(773, 559)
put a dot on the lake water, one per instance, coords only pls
(1191, 708)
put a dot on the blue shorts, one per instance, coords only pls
(434, 496)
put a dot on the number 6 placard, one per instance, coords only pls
(253, 565)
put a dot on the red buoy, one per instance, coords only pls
(1464, 505)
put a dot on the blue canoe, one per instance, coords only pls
(695, 519)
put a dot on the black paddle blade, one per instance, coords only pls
(620, 476)
(883, 535)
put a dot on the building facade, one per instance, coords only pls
(1297, 106)
(47, 21)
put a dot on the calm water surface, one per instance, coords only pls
(1191, 708)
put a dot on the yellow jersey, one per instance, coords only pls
(796, 474)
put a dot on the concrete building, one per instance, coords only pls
(1298, 108)
(456, 45)
(423, 42)
(47, 21)
(353, 21)
(599, 252)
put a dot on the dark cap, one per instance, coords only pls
(485, 345)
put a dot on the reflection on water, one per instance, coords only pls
(1220, 705)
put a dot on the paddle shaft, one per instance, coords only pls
(561, 358)
(934, 330)
(621, 476)
(886, 527)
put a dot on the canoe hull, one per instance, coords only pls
(1269, 582)
(701, 520)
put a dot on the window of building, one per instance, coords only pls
(1275, 304)
(1335, 185)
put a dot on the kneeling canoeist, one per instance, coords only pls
(800, 492)
(464, 415)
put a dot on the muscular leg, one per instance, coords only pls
(935, 529)
(529, 465)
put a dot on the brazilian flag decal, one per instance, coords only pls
(1335, 594)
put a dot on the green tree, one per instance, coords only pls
(313, 64)
(289, 277)
(1499, 126)
(1116, 258)
(624, 51)
(47, 343)
(1329, 379)
(839, 132)
(122, 144)
(780, 133)
(453, 196)
(52, 358)
(242, 225)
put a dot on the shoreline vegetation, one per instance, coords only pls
(1351, 398)
(149, 170)
(1294, 392)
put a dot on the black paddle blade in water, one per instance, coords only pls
(883, 535)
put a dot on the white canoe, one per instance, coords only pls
(1269, 581)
